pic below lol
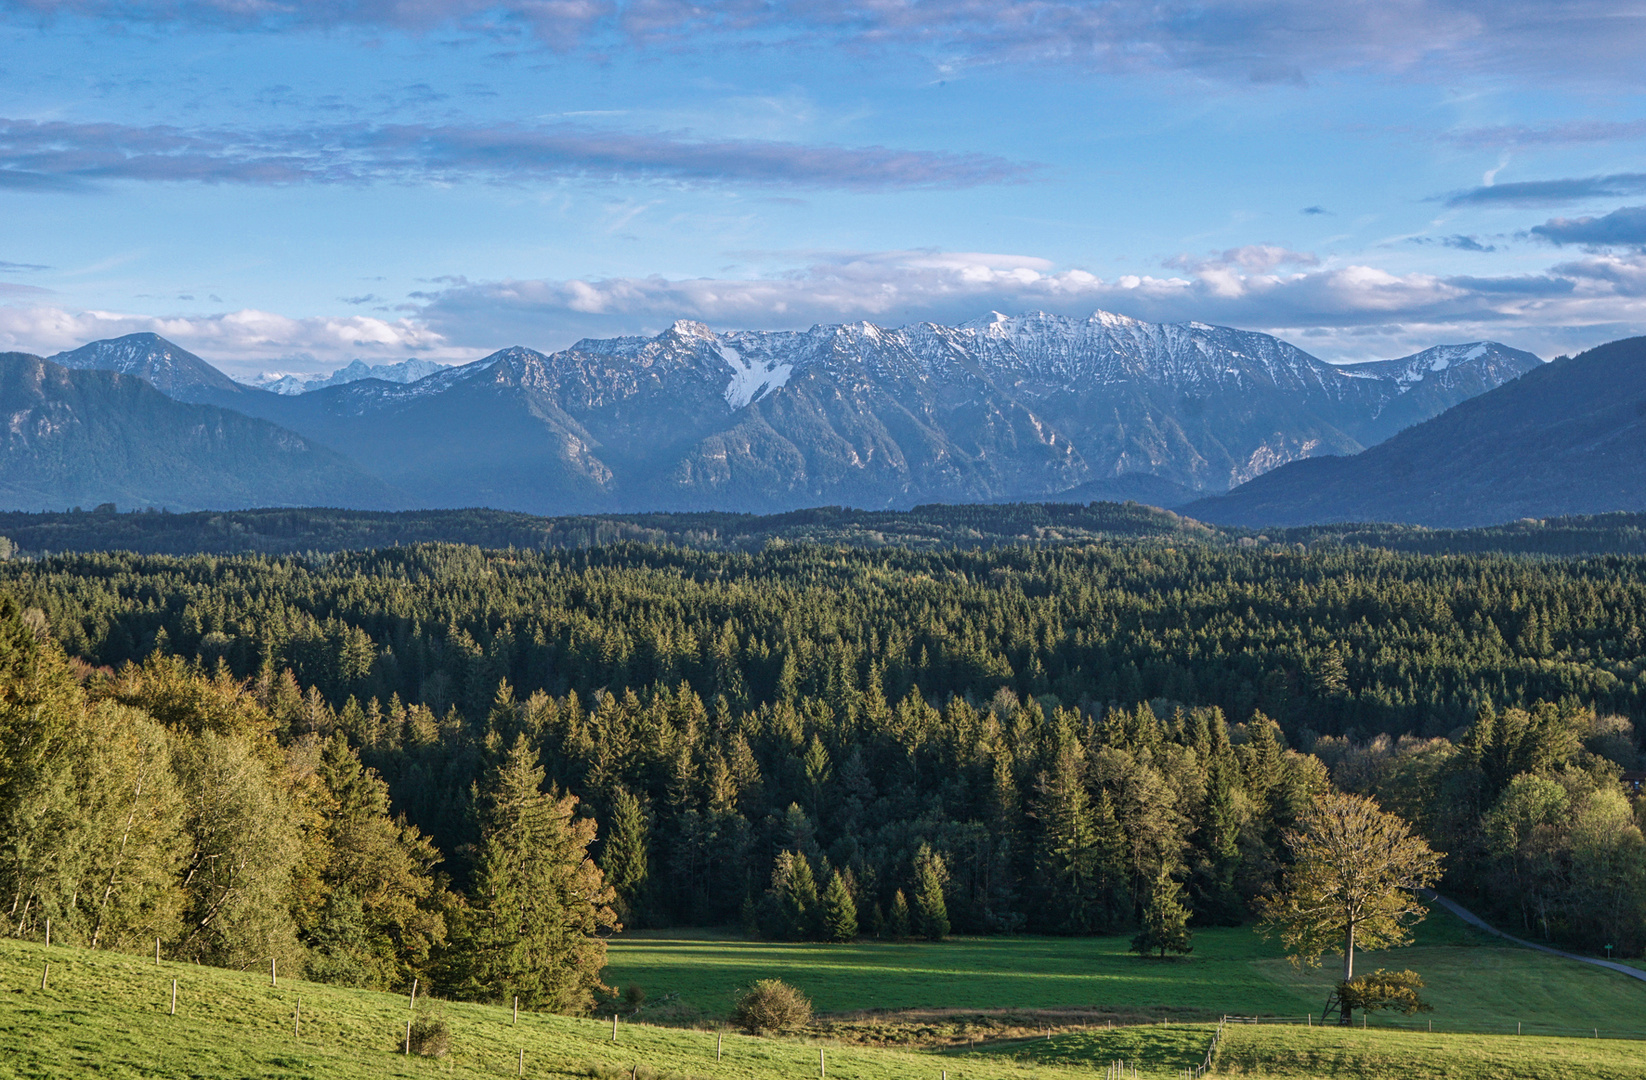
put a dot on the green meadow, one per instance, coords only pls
(105, 1014)
(1475, 981)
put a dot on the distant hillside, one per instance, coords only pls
(278, 531)
(1567, 438)
(298, 530)
(91, 437)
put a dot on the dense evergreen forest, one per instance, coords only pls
(290, 530)
(1016, 738)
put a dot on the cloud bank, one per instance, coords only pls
(1624, 226)
(58, 155)
(1337, 311)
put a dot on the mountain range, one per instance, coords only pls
(1567, 438)
(1028, 407)
(405, 371)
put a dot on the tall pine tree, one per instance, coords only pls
(538, 899)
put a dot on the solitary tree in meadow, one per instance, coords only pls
(1353, 882)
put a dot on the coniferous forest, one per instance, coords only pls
(464, 765)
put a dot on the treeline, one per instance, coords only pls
(299, 530)
(306, 529)
(226, 822)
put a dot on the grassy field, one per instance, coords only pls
(1474, 980)
(1336, 1054)
(106, 1015)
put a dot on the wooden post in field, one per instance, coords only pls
(297, 1020)
(614, 1027)
(48, 933)
(43, 973)
(719, 1041)
(272, 980)
(517, 1012)
(1517, 1027)
(522, 1071)
(414, 994)
(408, 1038)
(157, 951)
(174, 997)
(820, 1070)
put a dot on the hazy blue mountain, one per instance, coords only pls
(171, 369)
(403, 372)
(90, 437)
(1027, 407)
(1567, 438)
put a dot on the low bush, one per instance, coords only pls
(772, 1005)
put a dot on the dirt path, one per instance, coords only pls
(1481, 924)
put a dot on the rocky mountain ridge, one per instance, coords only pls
(1025, 407)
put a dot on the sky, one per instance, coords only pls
(286, 185)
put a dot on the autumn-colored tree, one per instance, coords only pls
(1352, 884)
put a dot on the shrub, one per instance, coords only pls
(772, 1005)
(431, 1036)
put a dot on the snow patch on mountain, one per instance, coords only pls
(751, 379)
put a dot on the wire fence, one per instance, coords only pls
(1427, 1025)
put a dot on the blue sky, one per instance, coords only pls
(285, 185)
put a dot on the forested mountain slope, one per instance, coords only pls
(92, 437)
(1568, 438)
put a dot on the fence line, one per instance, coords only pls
(1507, 1027)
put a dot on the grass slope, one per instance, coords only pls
(1403, 1055)
(106, 1015)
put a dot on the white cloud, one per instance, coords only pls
(237, 341)
(1348, 311)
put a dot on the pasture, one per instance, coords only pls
(1476, 982)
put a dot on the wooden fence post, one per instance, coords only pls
(408, 1038)
(43, 973)
(48, 933)
(522, 1070)
(297, 1020)
(413, 1003)
(719, 1041)
(174, 997)
(516, 1019)
(273, 981)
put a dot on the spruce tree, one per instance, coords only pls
(625, 859)
(538, 899)
(897, 923)
(931, 913)
(839, 911)
(1165, 921)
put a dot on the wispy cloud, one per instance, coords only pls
(56, 155)
(1457, 241)
(1565, 133)
(1550, 192)
(1257, 40)
(1624, 226)
(17, 267)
